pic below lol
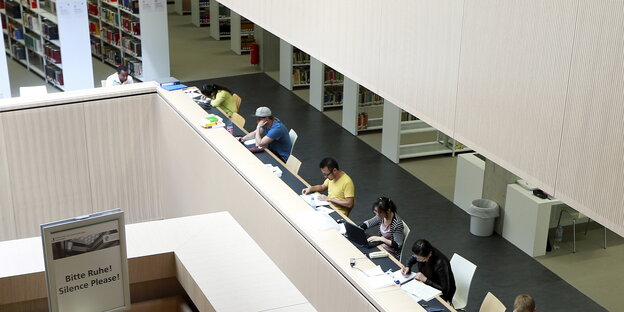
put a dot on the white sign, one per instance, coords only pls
(86, 263)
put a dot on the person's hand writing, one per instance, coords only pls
(405, 270)
(323, 197)
(305, 191)
(420, 277)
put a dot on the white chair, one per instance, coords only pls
(33, 91)
(575, 216)
(463, 270)
(293, 164)
(492, 304)
(406, 231)
(293, 138)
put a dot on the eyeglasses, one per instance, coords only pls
(327, 174)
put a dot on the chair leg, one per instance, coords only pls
(605, 237)
(587, 225)
(574, 236)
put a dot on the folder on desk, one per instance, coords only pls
(174, 87)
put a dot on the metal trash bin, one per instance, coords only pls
(482, 213)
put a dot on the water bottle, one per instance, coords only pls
(312, 203)
(558, 237)
(230, 127)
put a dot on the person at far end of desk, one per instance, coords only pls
(339, 186)
(434, 268)
(524, 303)
(390, 226)
(218, 96)
(119, 78)
(270, 133)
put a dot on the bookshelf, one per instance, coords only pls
(370, 110)
(5, 85)
(124, 32)
(326, 86)
(182, 7)
(200, 13)
(220, 21)
(243, 33)
(34, 32)
(294, 66)
(438, 143)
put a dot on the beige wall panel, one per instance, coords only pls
(591, 162)
(514, 66)
(7, 224)
(123, 156)
(47, 156)
(421, 69)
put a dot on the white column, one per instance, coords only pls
(286, 64)
(317, 81)
(391, 131)
(75, 44)
(154, 40)
(235, 32)
(214, 20)
(5, 85)
(350, 105)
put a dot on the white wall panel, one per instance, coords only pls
(47, 156)
(591, 162)
(7, 223)
(514, 67)
(122, 156)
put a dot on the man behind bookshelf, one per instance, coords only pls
(119, 78)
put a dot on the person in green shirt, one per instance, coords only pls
(219, 96)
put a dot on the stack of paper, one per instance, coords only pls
(376, 278)
(398, 276)
(275, 170)
(421, 290)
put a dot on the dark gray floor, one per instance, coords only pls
(502, 268)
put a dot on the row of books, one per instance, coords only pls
(13, 9)
(204, 17)
(130, 5)
(96, 47)
(31, 21)
(131, 45)
(110, 16)
(30, 3)
(332, 76)
(92, 8)
(2, 5)
(15, 31)
(301, 76)
(94, 28)
(223, 11)
(332, 97)
(367, 97)
(246, 43)
(54, 73)
(204, 3)
(33, 43)
(52, 53)
(135, 68)
(110, 36)
(131, 25)
(300, 57)
(224, 28)
(111, 55)
(362, 121)
(50, 31)
(19, 51)
(247, 27)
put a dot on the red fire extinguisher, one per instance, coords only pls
(254, 51)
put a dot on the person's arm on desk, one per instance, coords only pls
(314, 189)
(347, 202)
(408, 267)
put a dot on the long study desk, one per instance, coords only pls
(297, 183)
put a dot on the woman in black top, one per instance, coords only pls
(434, 268)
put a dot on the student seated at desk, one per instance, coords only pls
(524, 303)
(270, 133)
(390, 226)
(434, 268)
(119, 78)
(339, 186)
(218, 96)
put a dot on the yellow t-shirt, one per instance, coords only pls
(340, 189)
(225, 100)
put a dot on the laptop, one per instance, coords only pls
(357, 235)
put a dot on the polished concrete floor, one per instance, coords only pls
(595, 271)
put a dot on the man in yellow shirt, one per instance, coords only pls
(339, 186)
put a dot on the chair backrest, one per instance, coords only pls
(406, 231)
(492, 304)
(33, 91)
(463, 270)
(238, 120)
(103, 82)
(237, 101)
(293, 164)
(293, 138)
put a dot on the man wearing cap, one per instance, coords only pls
(270, 133)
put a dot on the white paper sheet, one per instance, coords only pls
(314, 196)
(398, 276)
(421, 290)
(376, 278)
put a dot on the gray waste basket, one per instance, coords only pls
(482, 213)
